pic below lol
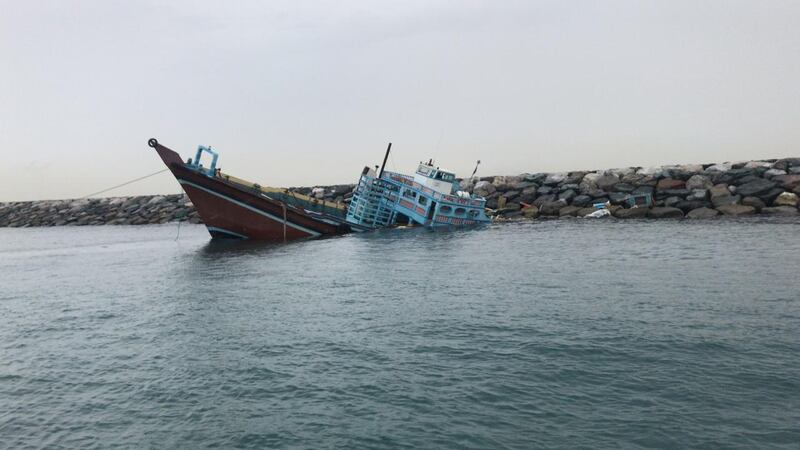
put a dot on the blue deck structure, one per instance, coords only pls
(430, 198)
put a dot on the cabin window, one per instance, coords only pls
(473, 212)
(445, 209)
(423, 200)
(409, 193)
(460, 211)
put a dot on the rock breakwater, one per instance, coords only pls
(693, 191)
(138, 210)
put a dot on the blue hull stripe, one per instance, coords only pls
(246, 206)
(224, 231)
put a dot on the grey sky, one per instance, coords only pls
(301, 93)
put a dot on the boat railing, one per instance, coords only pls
(436, 195)
(196, 165)
(372, 202)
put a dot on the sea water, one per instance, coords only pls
(552, 334)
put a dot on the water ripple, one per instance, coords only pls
(559, 334)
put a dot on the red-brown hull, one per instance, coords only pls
(231, 211)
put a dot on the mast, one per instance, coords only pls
(384, 160)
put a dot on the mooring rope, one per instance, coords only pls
(124, 184)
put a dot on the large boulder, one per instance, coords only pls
(528, 195)
(674, 192)
(733, 175)
(665, 212)
(770, 196)
(723, 200)
(670, 183)
(582, 200)
(640, 190)
(743, 180)
(672, 201)
(624, 187)
(598, 194)
(786, 163)
(664, 172)
(757, 164)
(588, 183)
(755, 188)
(647, 170)
(568, 211)
(623, 172)
(555, 178)
(522, 185)
(509, 208)
(755, 202)
(736, 210)
(719, 168)
(702, 213)
(567, 196)
(505, 181)
(633, 178)
(617, 198)
(679, 174)
(606, 181)
(786, 199)
(698, 195)
(540, 201)
(466, 185)
(699, 182)
(537, 178)
(575, 177)
(780, 211)
(552, 208)
(788, 182)
(691, 168)
(569, 186)
(631, 213)
(484, 188)
(774, 173)
(531, 212)
(688, 205)
(721, 195)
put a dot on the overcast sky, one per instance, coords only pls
(302, 93)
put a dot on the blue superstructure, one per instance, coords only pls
(430, 198)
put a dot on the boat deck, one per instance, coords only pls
(285, 195)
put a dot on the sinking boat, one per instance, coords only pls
(233, 208)
(432, 197)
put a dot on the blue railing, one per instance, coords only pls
(211, 171)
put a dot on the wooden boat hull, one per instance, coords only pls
(230, 211)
